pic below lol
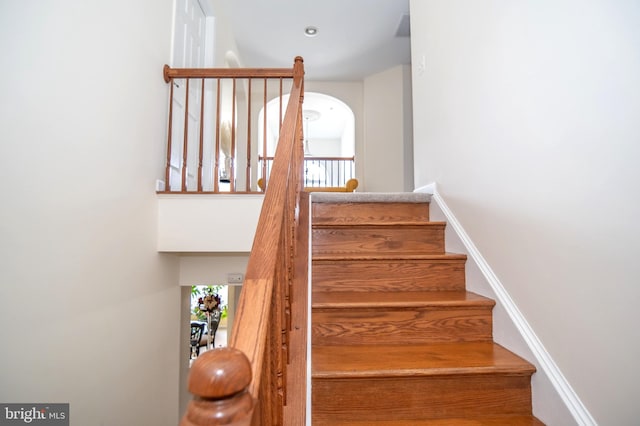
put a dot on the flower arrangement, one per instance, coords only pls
(198, 295)
(209, 303)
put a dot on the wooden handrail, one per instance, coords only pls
(262, 324)
(170, 73)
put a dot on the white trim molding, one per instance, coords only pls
(544, 360)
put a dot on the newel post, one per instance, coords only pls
(219, 380)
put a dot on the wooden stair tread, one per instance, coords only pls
(475, 421)
(388, 256)
(372, 197)
(434, 359)
(378, 224)
(373, 210)
(408, 299)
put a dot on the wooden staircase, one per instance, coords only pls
(396, 338)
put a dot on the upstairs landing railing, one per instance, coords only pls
(323, 171)
(219, 124)
(248, 382)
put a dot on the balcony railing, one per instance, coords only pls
(322, 172)
(218, 124)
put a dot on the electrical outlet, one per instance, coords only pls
(235, 278)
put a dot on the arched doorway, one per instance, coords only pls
(329, 137)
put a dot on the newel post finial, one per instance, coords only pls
(298, 70)
(219, 380)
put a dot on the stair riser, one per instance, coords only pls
(420, 397)
(367, 212)
(388, 326)
(517, 420)
(384, 275)
(370, 239)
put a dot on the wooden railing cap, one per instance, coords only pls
(220, 373)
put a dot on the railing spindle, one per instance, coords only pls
(232, 167)
(280, 106)
(167, 173)
(216, 155)
(201, 144)
(265, 174)
(248, 171)
(186, 137)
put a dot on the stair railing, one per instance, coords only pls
(214, 126)
(246, 383)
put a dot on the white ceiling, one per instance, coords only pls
(356, 38)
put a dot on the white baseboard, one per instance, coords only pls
(427, 189)
(544, 360)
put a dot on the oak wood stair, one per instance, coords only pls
(396, 338)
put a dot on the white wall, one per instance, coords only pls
(211, 268)
(207, 223)
(224, 41)
(407, 129)
(526, 115)
(89, 311)
(386, 104)
(325, 147)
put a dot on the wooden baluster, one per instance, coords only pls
(248, 171)
(271, 377)
(265, 403)
(300, 164)
(216, 155)
(186, 137)
(279, 342)
(279, 382)
(285, 313)
(265, 173)
(201, 147)
(280, 98)
(351, 167)
(232, 167)
(167, 173)
(219, 380)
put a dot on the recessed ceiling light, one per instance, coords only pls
(311, 31)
